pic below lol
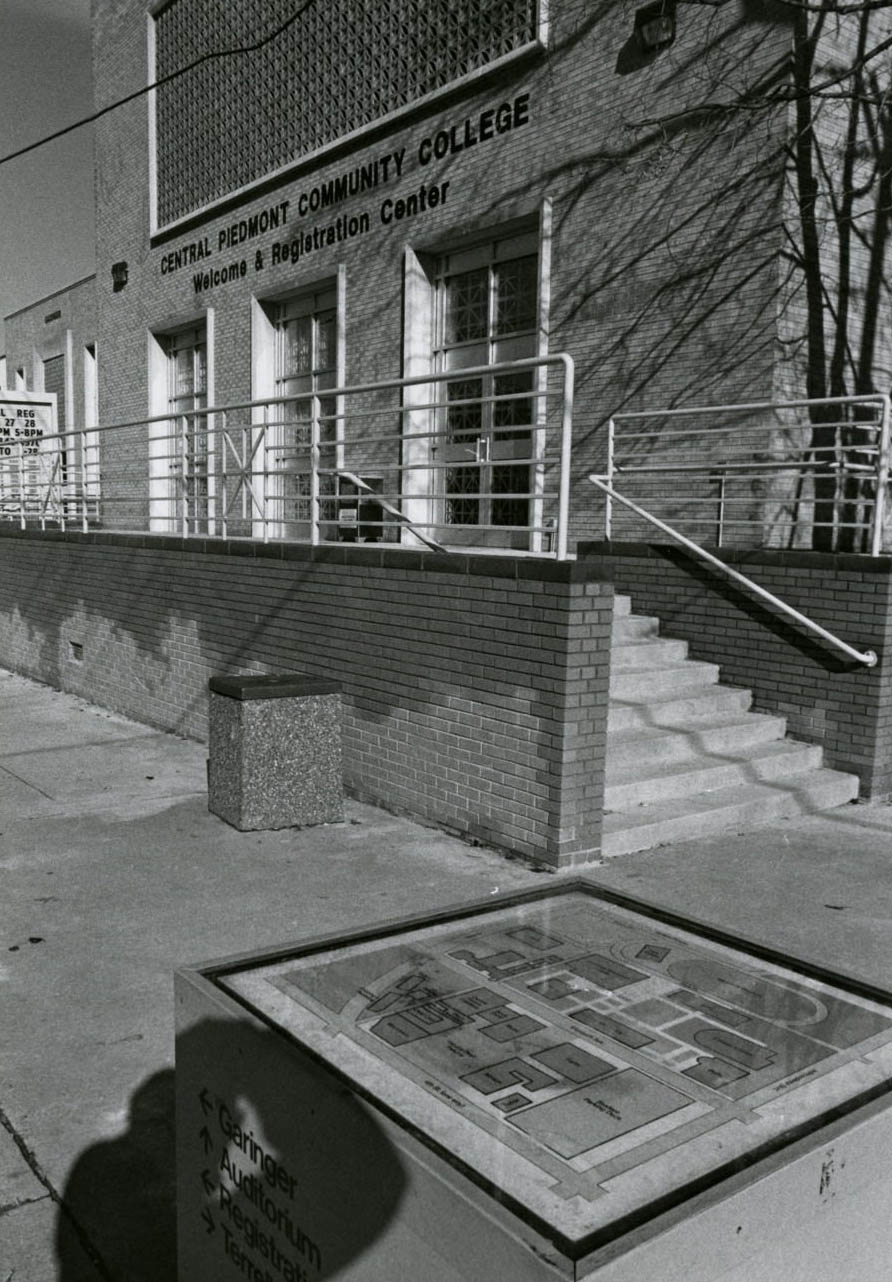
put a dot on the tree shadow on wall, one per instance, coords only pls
(321, 1185)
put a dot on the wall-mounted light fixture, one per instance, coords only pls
(655, 26)
(119, 276)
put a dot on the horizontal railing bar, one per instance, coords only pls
(867, 657)
(394, 438)
(291, 519)
(657, 435)
(743, 406)
(719, 469)
(357, 389)
(208, 468)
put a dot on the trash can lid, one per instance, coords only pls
(291, 685)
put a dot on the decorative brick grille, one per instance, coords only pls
(341, 65)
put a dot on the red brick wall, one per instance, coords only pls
(826, 697)
(475, 688)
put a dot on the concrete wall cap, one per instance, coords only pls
(291, 685)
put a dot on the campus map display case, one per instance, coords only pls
(559, 1084)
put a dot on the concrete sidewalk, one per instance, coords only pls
(114, 874)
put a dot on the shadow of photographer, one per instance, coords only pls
(273, 1170)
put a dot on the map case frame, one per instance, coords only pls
(588, 1059)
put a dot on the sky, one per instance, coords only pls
(46, 197)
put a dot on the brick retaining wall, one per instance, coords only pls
(825, 697)
(475, 688)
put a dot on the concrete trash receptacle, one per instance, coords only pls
(274, 751)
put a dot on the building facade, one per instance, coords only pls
(345, 196)
(51, 347)
(348, 256)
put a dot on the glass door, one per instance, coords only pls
(190, 453)
(306, 366)
(487, 300)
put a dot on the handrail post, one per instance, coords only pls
(314, 469)
(22, 485)
(264, 473)
(83, 480)
(611, 460)
(247, 458)
(566, 455)
(184, 481)
(882, 481)
(220, 432)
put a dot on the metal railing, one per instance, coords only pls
(783, 474)
(465, 459)
(867, 657)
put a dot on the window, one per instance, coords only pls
(486, 308)
(54, 381)
(182, 458)
(54, 462)
(306, 365)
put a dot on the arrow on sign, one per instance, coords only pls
(205, 1135)
(208, 1220)
(205, 1100)
(207, 1182)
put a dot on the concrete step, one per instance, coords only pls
(631, 626)
(621, 605)
(676, 711)
(646, 652)
(642, 685)
(725, 810)
(781, 759)
(724, 735)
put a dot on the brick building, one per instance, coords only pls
(324, 242)
(53, 349)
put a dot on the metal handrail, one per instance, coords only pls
(867, 657)
(245, 467)
(868, 457)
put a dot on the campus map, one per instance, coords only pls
(589, 1039)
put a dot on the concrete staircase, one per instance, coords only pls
(685, 756)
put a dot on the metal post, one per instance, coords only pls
(83, 481)
(314, 469)
(566, 454)
(21, 485)
(264, 489)
(608, 504)
(184, 492)
(221, 434)
(882, 481)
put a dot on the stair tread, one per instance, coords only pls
(700, 761)
(690, 710)
(636, 622)
(718, 722)
(725, 798)
(641, 654)
(686, 758)
(672, 680)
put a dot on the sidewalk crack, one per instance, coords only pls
(27, 782)
(7, 1207)
(41, 1176)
